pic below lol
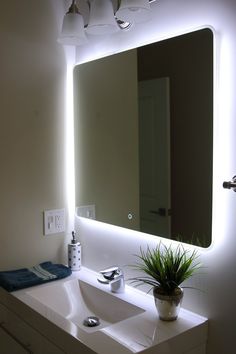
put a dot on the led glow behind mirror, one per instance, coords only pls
(110, 170)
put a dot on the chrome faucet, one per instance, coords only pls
(115, 277)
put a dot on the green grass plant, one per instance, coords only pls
(166, 267)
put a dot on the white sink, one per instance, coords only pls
(75, 300)
(128, 321)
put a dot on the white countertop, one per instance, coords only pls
(141, 333)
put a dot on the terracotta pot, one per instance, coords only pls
(168, 306)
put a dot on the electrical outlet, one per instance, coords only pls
(54, 221)
(86, 211)
(59, 220)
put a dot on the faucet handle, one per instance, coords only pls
(113, 276)
(111, 273)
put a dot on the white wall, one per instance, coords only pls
(114, 245)
(32, 154)
(99, 128)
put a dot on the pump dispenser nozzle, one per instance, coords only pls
(73, 238)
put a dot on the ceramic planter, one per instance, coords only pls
(168, 306)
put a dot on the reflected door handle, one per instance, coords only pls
(160, 212)
(230, 184)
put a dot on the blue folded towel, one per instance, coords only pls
(23, 278)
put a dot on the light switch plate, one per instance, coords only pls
(54, 221)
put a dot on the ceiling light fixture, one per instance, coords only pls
(134, 11)
(72, 32)
(101, 18)
(105, 17)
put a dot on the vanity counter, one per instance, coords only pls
(143, 332)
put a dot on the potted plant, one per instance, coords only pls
(166, 268)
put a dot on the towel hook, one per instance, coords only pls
(230, 184)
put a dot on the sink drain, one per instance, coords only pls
(91, 321)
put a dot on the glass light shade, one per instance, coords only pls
(72, 32)
(134, 11)
(101, 18)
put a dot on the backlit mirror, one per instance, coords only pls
(144, 138)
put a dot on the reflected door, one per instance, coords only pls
(154, 145)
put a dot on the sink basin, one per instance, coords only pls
(76, 300)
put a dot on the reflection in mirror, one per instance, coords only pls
(144, 138)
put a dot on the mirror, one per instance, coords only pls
(144, 138)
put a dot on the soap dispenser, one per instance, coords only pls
(74, 253)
